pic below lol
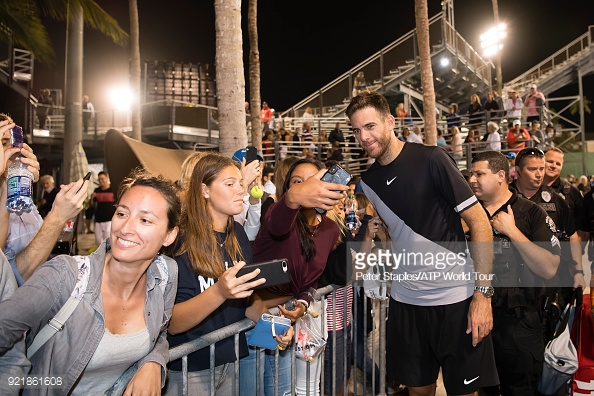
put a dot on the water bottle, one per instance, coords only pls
(20, 186)
(350, 208)
(63, 246)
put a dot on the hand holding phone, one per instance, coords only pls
(335, 175)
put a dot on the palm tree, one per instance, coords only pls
(422, 21)
(20, 23)
(135, 69)
(229, 76)
(254, 75)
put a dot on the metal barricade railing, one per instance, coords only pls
(358, 327)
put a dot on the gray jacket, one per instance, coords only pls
(68, 352)
(13, 363)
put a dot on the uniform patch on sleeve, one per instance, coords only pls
(551, 224)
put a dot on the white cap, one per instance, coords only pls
(533, 86)
(517, 122)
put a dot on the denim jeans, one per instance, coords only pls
(199, 382)
(248, 375)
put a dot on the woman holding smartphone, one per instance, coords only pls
(293, 229)
(212, 249)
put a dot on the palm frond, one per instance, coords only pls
(93, 15)
(20, 25)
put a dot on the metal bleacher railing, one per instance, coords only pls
(373, 346)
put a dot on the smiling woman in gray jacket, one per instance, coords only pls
(124, 312)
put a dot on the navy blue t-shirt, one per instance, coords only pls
(190, 285)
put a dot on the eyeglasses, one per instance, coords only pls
(528, 152)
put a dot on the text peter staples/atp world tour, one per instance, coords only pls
(410, 266)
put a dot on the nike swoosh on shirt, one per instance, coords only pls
(466, 382)
(388, 182)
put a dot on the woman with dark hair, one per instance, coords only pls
(293, 229)
(123, 310)
(212, 249)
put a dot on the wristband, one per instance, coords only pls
(578, 272)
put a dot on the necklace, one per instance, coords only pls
(315, 228)
(221, 243)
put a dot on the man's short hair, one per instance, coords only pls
(368, 98)
(555, 149)
(495, 160)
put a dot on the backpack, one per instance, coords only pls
(84, 272)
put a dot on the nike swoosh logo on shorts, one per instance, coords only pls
(466, 382)
(388, 182)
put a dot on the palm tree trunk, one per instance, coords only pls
(254, 77)
(230, 77)
(135, 70)
(422, 21)
(73, 86)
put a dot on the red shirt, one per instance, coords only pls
(265, 114)
(512, 139)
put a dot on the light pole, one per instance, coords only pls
(492, 44)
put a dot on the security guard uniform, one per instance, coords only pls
(517, 333)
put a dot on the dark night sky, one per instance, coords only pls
(306, 44)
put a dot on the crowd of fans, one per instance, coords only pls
(166, 270)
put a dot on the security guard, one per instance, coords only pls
(530, 166)
(554, 158)
(520, 266)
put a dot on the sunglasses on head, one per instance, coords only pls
(529, 152)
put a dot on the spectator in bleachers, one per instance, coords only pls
(441, 142)
(455, 146)
(297, 135)
(335, 152)
(265, 115)
(550, 135)
(452, 118)
(359, 83)
(493, 137)
(517, 137)
(306, 134)
(308, 116)
(401, 113)
(499, 100)
(537, 135)
(279, 179)
(415, 136)
(49, 194)
(405, 134)
(471, 137)
(293, 229)
(336, 134)
(534, 102)
(267, 147)
(475, 110)
(513, 106)
(492, 107)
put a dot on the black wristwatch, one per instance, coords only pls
(488, 291)
(579, 272)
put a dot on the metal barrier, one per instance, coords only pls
(358, 324)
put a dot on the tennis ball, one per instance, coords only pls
(257, 192)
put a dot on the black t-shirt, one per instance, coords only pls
(190, 285)
(104, 204)
(420, 196)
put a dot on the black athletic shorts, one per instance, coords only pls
(420, 340)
